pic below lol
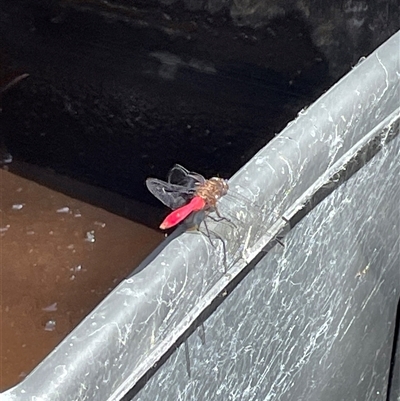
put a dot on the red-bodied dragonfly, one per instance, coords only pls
(186, 192)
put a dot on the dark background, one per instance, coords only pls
(120, 91)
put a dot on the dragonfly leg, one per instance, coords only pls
(217, 236)
(220, 218)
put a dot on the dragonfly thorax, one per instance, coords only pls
(212, 190)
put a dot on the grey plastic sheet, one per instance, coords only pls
(314, 320)
(311, 320)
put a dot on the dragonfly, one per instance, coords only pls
(186, 193)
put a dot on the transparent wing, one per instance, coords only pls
(179, 175)
(172, 195)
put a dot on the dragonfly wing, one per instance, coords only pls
(172, 195)
(179, 175)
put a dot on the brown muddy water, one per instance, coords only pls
(59, 257)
